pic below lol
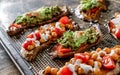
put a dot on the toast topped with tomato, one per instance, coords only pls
(76, 41)
(42, 38)
(90, 10)
(38, 17)
(114, 26)
(100, 62)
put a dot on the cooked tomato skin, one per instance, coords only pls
(117, 33)
(63, 50)
(66, 71)
(26, 44)
(108, 62)
(64, 20)
(59, 32)
(82, 56)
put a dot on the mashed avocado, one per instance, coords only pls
(69, 38)
(89, 4)
(40, 15)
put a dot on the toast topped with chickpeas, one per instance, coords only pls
(100, 62)
(38, 17)
(44, 36)
(90, 10)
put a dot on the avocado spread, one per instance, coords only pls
(73, 40)
(40, 15)
(89, 4)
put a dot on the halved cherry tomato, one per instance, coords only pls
(26, 44)
(63, 50)
(59, 32)
(108, 62)
(66, 71)
(30, 36)
(82, 56)
(94, 9)
(37, 34)
(117, 33)
(64, 20)
(111, 24)
(15, 25)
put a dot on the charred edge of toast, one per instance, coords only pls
(65, 12)
(82, 48)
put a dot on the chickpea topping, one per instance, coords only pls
(54, 34)
(80, 71)
(91, 62)
(49, 37)
(98, 49)
(102, 54)
(117, 50)
(91, 53)
(115, 56)
(42, 40)
(42, 31)
(47, 70)
(54, 71)
(107, 50)
(30, 47)
(94, 56)
(72, 60)
(97, 71)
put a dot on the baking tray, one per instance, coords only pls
(12, 45)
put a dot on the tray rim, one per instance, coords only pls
(19, 62)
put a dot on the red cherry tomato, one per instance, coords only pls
(37, 34)
(82, 56)
(26, 44)
(108, 62)
(59, 32)
(64, 20)
(66, 71)
(111, 24)
(117, 33)
(61, 49)
(94, 9)
(30, 36)
(65, 50)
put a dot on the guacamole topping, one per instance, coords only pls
(89, 4)
(75, 39)
(40, 15)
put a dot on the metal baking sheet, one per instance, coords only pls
(12, 45)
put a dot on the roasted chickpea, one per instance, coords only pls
(58, 73)
(70, 26)
(98, 49)
(49, 37)
(98, 65)
(42, 31)
(54, 34)
(117, 50)
(72, 60)
(102, 53)
(54, 71)
(30, 47)
(92, 52)
(97, 71)
(76, 67)
(94, 56)
(91, 62)
(116, 14)
(80, 71)
(47, 70)
(42, 40)
(107, 50)
(115, 56)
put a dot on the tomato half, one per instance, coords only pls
(64, 20)
(66, 71)
(82, 56)
(26, 44)
(30, 36)
(94, 10)
(37, 34)
(108, 62)
(63, 50)
(117, 33)
(59, 32)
